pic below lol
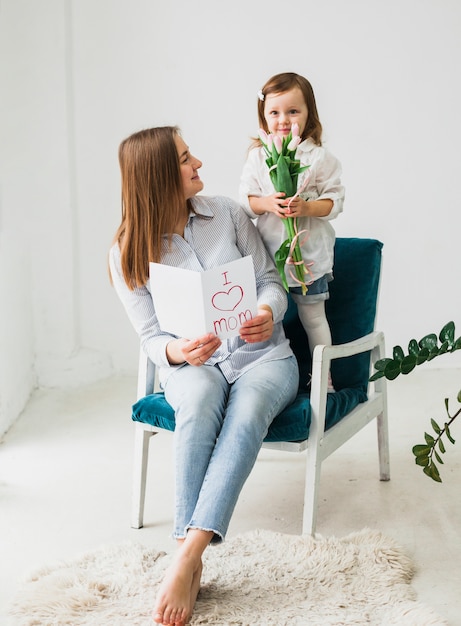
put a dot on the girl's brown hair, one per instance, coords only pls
(152, 199)
(280, 83)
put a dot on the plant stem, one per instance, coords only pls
(296, 255)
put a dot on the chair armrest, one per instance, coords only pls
(146, 376)
(321, 361)
(367, 342)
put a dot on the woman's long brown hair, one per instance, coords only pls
(152, 199)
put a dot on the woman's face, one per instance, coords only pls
(281, 110)
(191, 181)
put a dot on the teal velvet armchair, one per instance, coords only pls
(317, 422)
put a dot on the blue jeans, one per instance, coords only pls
(219, 431)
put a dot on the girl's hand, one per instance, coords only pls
(296, 207)
(268, 204)
(307, 208)
(260, 328)
(192, 351)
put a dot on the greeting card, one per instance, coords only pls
(189, 303)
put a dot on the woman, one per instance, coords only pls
(225, 393)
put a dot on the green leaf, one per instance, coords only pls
(448, 333)
(280, 261)
(422, 356)
(381, 364)
(441, 446)
(458, 397)
(376, 376)
(284, 180)
(408, 364)
(457, 344)
(392, 370)
(273, 175)
(438, 457)
(444, 347)
(448, 434)
(422, 461)
(432, 471)
(436, 427)
(429, 341)
(413, 347)
(432, 354)
(421, 450)
(429, 439)
(301, 169)
(398, 353)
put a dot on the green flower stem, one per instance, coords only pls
(297, 256)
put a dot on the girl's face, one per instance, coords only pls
(189, 165)
(281, 110)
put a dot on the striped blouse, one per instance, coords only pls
(217, 232)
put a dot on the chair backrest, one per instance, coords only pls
(351, 311)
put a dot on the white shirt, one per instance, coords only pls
(324, 181)
(217, 232)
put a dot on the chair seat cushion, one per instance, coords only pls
(292, 424)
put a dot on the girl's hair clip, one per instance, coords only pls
(261, 95)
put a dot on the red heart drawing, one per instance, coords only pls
(228, 300)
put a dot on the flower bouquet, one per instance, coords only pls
(284, 169)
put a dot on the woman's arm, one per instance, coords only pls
(140, 309)
(162, 348)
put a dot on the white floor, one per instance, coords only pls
(65, 480)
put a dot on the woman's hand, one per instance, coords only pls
(192, 351)
(259, 328)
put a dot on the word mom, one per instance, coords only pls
(227, 302)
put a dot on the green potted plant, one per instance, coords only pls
(429, 453)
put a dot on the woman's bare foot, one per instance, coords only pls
(174, 600)
(178, 592)
(195, 589)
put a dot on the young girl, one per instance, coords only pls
(288, 99)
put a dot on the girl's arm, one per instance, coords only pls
(325, 186)
(307, 208)
(254, 199)
(276, 203)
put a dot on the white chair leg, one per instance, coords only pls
(320, 371)
(383, 446)
(381, 419)
(383, 433)
(140, 459)
(311, 489)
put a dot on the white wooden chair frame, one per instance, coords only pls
(320, 444)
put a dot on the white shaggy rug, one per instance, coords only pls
(259, 578)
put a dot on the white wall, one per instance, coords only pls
(80, 75)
